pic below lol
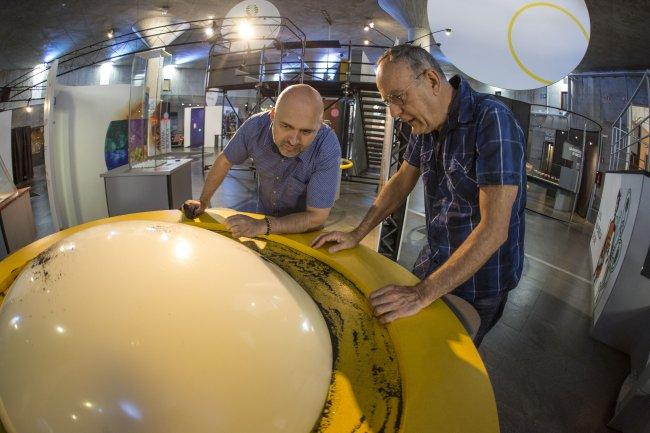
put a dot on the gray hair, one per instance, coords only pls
(417, 58)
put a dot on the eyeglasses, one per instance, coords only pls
(398, 98)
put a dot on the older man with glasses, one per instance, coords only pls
(469, 150)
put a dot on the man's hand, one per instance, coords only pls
(193, 208)
(245, 226)
(343, 240)
(394, 302)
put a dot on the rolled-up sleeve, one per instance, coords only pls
(323, 183)
(413, 150)
(237, 150)
(500, 145)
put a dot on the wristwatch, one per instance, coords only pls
(268, 225)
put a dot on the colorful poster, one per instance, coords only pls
(137, 140)
(612, 231)
(197, 124)
(165, 134)
(116, 152)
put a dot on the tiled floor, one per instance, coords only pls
(548, 374)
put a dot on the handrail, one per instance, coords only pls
(636, 92)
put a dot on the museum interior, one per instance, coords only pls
(293, 216)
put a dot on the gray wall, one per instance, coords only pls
(602, 98)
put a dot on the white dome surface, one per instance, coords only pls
(157, 327)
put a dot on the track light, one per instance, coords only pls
(371, 24)
(164, 10)
(211, 30)
(448, 32)
(366, 42)
(110, 34)
(366, 28)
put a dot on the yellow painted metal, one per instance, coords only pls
(346, 164)
(444, 384)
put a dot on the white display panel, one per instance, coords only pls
(81, 119)
(513, 44)
(5, 141)
(213, 116)
(613, 231)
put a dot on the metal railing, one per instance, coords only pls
(627, 132)
(124, 45)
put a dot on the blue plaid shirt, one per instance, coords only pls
(480, 144)
(288, 185)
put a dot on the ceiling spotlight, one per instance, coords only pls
(448, 32)
(164, 10)
(210, 30)
(245, 30)
(110, 33)
(366, 42)
(371, 24)
(366, 28)
(28, 108)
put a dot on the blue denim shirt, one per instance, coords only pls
(480, 144)
(288, 185)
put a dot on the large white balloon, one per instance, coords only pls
(251, 24)
(157, 327)
(512, 44)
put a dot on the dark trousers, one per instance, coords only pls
(490, 310)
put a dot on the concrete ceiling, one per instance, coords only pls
(35, 31)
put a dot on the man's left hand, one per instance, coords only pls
(245, 226)
(394, 302)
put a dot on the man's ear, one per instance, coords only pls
(272, 113)
(434, 80)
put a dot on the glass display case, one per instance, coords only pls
(149, 124)
(560, 144)
(7, 187)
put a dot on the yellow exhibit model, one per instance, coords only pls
(419, 374)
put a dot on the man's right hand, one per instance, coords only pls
(343, 240)
(193, 208)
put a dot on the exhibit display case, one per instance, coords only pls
(149, 124)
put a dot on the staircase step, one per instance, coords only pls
(374, 116)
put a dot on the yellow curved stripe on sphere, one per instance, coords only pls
(512, 23)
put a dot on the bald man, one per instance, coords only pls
(297, 160)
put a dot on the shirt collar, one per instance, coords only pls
(305, 155)
(462, 106)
